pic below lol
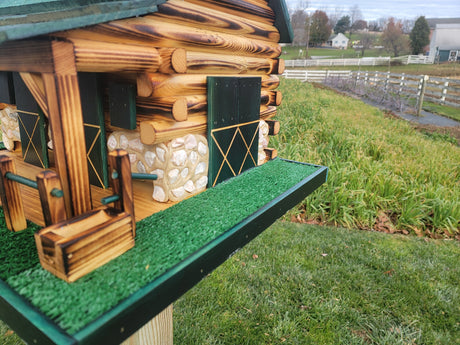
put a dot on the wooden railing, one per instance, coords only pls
(433, 89)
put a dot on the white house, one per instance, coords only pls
(445, 43)
(339, 41)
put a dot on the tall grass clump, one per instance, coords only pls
(383, 174)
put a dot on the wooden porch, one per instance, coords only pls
(144, 205)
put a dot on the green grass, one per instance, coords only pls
(299, 284)
(302, 284)
(292, 53)
(383, 174)
(444, 110)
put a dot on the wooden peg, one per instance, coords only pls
(51, 197)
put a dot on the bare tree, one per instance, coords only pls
(355, 15)
(366, 42)
(298, 20)
(335, 16)
(393, 38)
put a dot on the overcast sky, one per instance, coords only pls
(372, 10)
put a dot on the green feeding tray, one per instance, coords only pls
(175, 249)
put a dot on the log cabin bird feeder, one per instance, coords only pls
(136, 157)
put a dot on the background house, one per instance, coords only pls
(339, 41)
(445, 40)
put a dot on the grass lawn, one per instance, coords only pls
(450, 112)
(383, 174)
(303, 284)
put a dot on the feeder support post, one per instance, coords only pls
(10, 194)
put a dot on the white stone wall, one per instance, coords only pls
(180, 164)
(9, 127)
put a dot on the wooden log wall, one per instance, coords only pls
(170, 54)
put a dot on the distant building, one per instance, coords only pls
(339, 41)
(445, 43)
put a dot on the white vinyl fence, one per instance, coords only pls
(371, 61)
(436, 90)
(315, 76)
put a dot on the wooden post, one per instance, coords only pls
(10, 194)
(423, 81)
(53, 206)
(158, 331)
(66, 122)
(120, 170)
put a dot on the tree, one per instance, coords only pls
(320, 29)
(355, 15)
(335, 16)
(343, 25)
(367, 41)
(298, 19)
(419, 36)
(359, 25)
(374, 25)
(392, 37)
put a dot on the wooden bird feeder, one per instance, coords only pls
(97, 100)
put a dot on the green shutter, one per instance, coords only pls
(31, 125)
(122, 105)
(94, 127)
(233, 121)
(7, 88)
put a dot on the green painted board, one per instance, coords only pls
(280, 185)
(7, 88)
(122, 105)
(233, 120)
(23, 19)
(31, 125)
(94, 127)
(282, 20)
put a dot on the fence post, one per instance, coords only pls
(10, 194)
(387, 80)
(444, 92)
(423, 80)
(401, 84)
(52, 203)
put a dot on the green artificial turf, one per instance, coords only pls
(162, 241)
(17, 249)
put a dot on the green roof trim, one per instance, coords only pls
(23, 19)
(282, 21)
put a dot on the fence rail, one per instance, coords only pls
(315, 76)
(437, 90)
(371, 61)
